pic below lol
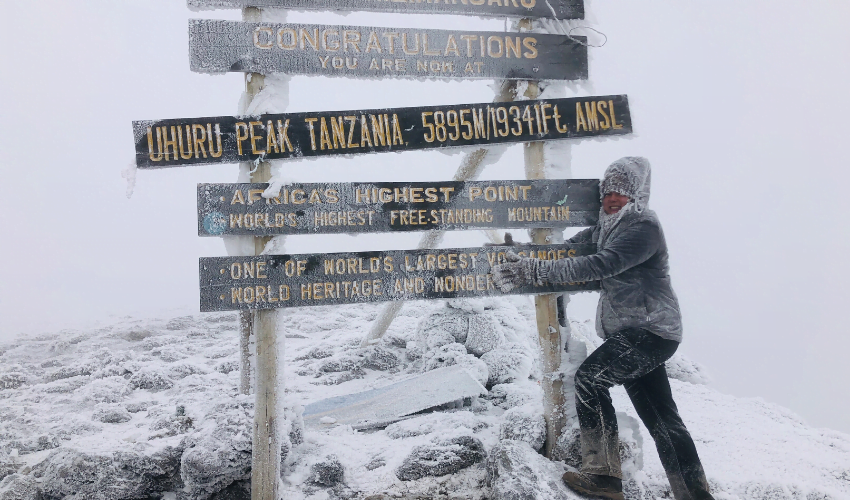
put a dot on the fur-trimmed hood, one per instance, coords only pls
(629, 176)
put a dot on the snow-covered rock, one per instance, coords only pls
(219, 452)
(152, 380)
(515, 471)
(108, 390)
(459, 421)
(19, 487)
(379, 358)
(682, 368)
(515, 394)
(443, 326)
(508, 363)
(526, 424)
(7, 466)
(111, 414)
(455, 354)
(77, 475)
(12, 380)
(484, 334)
(441, 458)
(327, 472)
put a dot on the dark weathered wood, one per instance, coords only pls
(231, 139)
(272, 281)
(395, 206)
(560, 9)
(359, 51)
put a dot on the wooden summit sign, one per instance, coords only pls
(358, 51)
(395, 206)
(273, 281)
(231, 139)
(559, 9)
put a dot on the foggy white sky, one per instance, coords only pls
(740, 106)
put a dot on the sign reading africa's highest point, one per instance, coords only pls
(559, 9)
(344, 207)
(358, 51)
(228, 139)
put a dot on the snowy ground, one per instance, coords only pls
(149, 409)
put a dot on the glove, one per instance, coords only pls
(518, 272)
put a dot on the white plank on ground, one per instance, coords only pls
(385, 405)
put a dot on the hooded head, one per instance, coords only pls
(628, 176)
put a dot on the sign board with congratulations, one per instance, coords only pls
(359, 51)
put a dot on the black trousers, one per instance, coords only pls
(635, 358)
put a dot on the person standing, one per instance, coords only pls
(638, 316)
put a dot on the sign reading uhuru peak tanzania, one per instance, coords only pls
(272, 281)
(358, 51)
(227, 139)
(560, 9)
(395, 206)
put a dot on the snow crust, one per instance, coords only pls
(151, 407)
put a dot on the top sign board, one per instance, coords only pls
(560, 9)
(370, 52)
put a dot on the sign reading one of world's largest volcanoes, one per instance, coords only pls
(230, 139)
(342, 207)
(560, 9)
(273, 281)
(359, 51)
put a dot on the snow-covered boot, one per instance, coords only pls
(592, 484)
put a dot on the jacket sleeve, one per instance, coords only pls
(634, 245)
(583, 236)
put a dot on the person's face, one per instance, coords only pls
(613, 202)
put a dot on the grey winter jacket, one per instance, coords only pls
(633, 267)
(631, 260)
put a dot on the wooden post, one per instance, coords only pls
(470, 168)
(265, 457)
(546, 306)
(246, 328)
